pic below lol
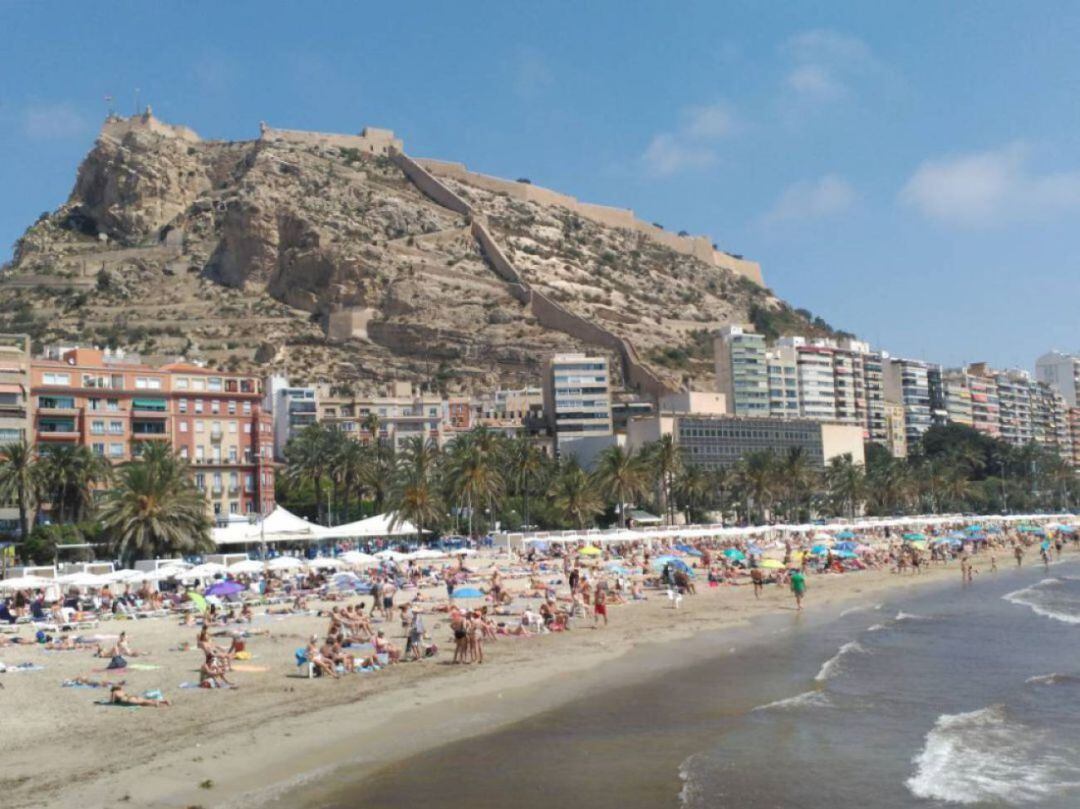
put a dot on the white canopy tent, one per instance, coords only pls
(381, 525)
(280, 525)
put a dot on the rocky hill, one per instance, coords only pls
(336, 257)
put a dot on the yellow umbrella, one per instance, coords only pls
(590, 550)
(796, 557)
(771, 564)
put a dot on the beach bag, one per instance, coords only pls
(117, 662)
(431, 650)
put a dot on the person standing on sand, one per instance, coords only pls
(757, 576)
(1018, 552)
(798, 587)
(599, 605)
(993, 562)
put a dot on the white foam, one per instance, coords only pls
(808, 699)
(861, 608)
(1052, 679)
(832, 665)
(908, 616)
(689, 794)
(983, 756)
(875, 628)
(1032, 598)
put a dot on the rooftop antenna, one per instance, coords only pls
(110, 104)
(136, 100)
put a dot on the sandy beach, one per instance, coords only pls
(278, 730)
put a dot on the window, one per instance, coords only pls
(234, 508)
(10, 435)
(232, 427)
(99, 449)
(97, 427)
(232, 454)
(198, 454)
(184, 453)
(116, 428)
(51, 378)
(215, 406)
(147, 383)
(198, 384)
(247, 429)
(198, 405)
(183, 405)
(232, 407)
(116, 450)
(247, 408)
(181, 383)
(183, 426)
(112, 404)
(200, 426)
(249, 483)
(214, 383)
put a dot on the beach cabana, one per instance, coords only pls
(280, 525)
(381, 525)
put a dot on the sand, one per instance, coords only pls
(278, 730)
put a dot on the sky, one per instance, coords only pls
(908, 171)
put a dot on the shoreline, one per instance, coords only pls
(294, 751)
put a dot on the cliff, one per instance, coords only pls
(337, 257)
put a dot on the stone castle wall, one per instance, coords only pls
(697, 246)
(371, 140)
(117, 127)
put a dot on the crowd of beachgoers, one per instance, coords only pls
(400, 606)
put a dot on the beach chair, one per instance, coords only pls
(302, 662)
(675, 598)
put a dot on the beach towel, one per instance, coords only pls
(249, 669)
(6, 669)
(142, 667)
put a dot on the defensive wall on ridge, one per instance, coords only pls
(549, 313)
(697, 246)
(371, 140)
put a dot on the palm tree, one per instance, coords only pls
(474, 474)
(665, 460)
(845, 482)
(19, 481)
(757, 479)
(574, 494)
(524, 465)
(348, 472)
(414, 495)
(308, 460)
(371, 424)
(797, 477)
(621, 477)
(692, 487)
(69, 476)
(154, 509)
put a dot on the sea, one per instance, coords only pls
(947, 695)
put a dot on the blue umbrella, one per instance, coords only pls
(673, 561)
(735, 554)
(616, 568)
(224, 588)
(467, 592)
(757, 550)
(845, 535)
(844, 546)
(688, 550)
(915, 537)
(818, 550)
(845, 554)
(1067, 529)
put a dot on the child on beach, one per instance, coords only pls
(798, 587)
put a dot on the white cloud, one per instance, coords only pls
(690, 145)
(826, 63)
(991, 187)
(53, 122)
(814, 199)
(669, 154)
(709, 121)
(815, 82)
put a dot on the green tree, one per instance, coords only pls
(414, 495)
(69, 475)
(575, 496)
(153, 509)
(20, 480)
(622, 478)
(845, 483)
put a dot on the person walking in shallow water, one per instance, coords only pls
(1018, 552)
(798, 587)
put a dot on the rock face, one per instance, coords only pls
(251, 252)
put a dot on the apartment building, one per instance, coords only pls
(816, 377)
(403, 412)
(577, 397)
(958, 399)
(1060, 371)
(874, 391)
(783, 381)
(742, 373)
(114, 405)
(907, 383)
(291, 409)
(15, 423)
(895, 429)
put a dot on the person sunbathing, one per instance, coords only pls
(119, 649)
(89, 682)
(212, 674)
(316, 658)
(118, 696)
(332, 650)
(383, 646)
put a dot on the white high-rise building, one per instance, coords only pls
(1061, 372)
(577, 397)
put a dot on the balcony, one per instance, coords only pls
(216, 435)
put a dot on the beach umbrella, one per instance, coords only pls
(285, 563)
(83, 580)
(755, 550)
(426, 553)
(914, 537)
(689, 551)
(846, 535)
(204, 571)
(125, 575)
(823, 537)
(464, 552)
(919, 544)
(358, 558)
(771, 564)
(734, 554)
(590, 550)
(247, 566)
(818, 550)
(845, 554)
(25, 583)
(325, 563)
(796, 557)
(197, 600)
(346, 581)
(844, 546)
(224, 588)
(673, 561)
(860, 548)
(617, 569)
(467, 592)
(391, 556)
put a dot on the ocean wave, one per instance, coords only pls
(1041, 600)
(875, 628)
(908, 616)
(1052, 679)
(984, 756)
(861, 608)
(808, 699)
(830, 666)
(690, 793)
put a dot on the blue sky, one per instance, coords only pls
(909, 171)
